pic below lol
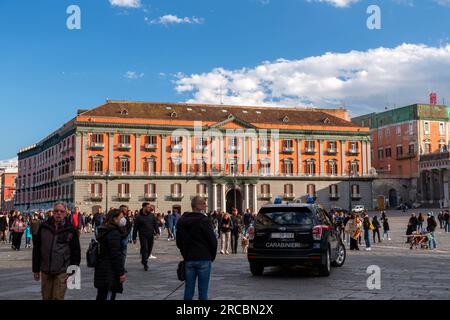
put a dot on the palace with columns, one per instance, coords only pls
(166, 153)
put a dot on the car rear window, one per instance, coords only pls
(285, 216)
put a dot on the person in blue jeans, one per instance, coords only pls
(198, 246)
(431, 227)
(366, 226)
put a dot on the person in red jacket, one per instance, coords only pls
(76, 220)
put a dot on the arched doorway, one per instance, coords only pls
(393, 203)
(234, 200)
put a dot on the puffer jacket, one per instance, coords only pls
(56, 249)
(110, 266)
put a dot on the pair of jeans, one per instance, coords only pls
(376, 231)
(420, 226)
(17, 239)
(386, 233)
(225, 241)
(432, 242)
(124, 245)
(104, 294)
(200, 270)
(234, 242)
(146, 248)
(367, 237)
(447, 226)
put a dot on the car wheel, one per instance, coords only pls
(341, 255)
(256, 269)
(325, 268)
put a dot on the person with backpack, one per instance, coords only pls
(146, 225)
(198, 246)
(99, 219)
(57, 247)
(109, 274)
(376, 228)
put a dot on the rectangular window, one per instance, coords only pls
(124, 139)
(201, 189)
(399, 130)
(152, 140)
(124, 188)
(288, 189)
(427, 147)
(334, 190)
(426, 127)
(411, 129)
(96, 189)
(399, 151)
(411, 149)
(150, 188)
(175, 189)
(441, 128)
(380, 154)
(265, 189)
(388, 152)
(124, 165)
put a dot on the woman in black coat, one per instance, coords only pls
(110, 270)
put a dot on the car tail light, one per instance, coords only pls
(251, 233)
(317, 233)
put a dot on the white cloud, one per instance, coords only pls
(443, 2)
(173, 19)
(133, 75)
(337, 3)
(362, 80)
(126, 3)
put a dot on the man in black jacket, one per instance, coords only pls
(147, 226)
(198, 246)
(57, 247)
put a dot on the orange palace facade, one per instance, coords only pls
(166, 153)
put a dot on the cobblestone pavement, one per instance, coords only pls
(405, 274)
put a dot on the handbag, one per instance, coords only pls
(181, 271)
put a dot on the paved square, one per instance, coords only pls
(405, 274)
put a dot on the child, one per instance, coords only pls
(28, 237)
(386, 228)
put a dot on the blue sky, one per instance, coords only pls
(184, 50)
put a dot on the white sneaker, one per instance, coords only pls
(152, 257)
(368, 249)
(227, 252)
(389, 239)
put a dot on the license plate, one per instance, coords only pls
(282, 235)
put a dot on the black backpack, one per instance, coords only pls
(92, 254)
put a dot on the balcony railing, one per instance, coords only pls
(310, 151)
(96, 196)
(406, 156)
(150, 146)
(97, 145)
(150, 196)
(177, 196)
(353, 152)
(356, 196)
(288, 149)
(124, 146)
(334, 197)
(177, 147)
(264, 150)
(289, 196)
(332, 151)
(124, 196)
(265, 196)
(234, 148)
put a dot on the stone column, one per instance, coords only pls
(214, 196)
(322, 160)
(111, 153)
(222, 153)
(343, 164)
(77, 152)
(255, 199)
(84, 152)
(163, 153)
(254, 155)
(299, 157)
(138, 153)
(224, 200)
(369, 155)
(244, 142)
(247, 197)
(189, 154)
(364, 157)
(276, 156)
